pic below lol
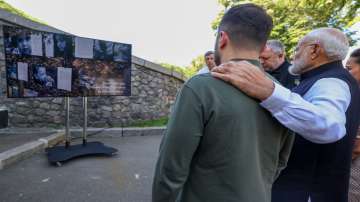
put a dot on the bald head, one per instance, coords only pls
(333, 41)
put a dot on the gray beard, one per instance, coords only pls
(296, 68)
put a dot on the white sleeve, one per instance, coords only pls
(203, 70)
(318, 116)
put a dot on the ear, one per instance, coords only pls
(281, 55)
(315, 51)
(223, 40)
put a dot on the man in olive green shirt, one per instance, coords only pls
(220, 145)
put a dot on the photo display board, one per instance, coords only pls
(43, 64)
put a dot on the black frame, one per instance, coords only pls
(67, 62)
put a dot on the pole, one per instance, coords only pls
(85, 120)
(67, 122)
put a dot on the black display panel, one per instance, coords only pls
(43, 64)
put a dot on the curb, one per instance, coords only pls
(116, 132)
(26, 150)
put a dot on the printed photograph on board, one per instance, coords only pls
(44, 76)
(11, 69)
(17, 42)
(103, 50)
(63, 45)
(42, 64)
(122, 52)
(94, 77)
(13, 91)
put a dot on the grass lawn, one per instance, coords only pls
(151, 123)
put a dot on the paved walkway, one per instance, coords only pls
(10, 138)
(126, 177)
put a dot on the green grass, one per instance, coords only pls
(150, 123)
(11, 9)
(146, 123)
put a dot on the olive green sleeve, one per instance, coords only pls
(178, 146)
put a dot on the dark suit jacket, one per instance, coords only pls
(283, 76)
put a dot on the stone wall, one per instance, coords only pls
(153, 91)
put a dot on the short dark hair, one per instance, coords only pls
(208, 53)
(356, 54)
(248, 26)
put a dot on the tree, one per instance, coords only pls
(294, 18)
(11, 9)
(195, 65)
(172, 67)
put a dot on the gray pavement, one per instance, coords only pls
(10, 139)
(126, 177)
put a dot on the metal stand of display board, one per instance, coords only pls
(60, 154)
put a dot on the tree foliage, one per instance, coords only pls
(190, 70)
(294, 18)
(172, 67)
(11, 9)
(196, 64)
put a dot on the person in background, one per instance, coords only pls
(209, 61)
(353, 65)
(323, 110)
(273, 60)
(219, 144)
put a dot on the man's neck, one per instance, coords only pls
(246, 55)
(279, 65)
